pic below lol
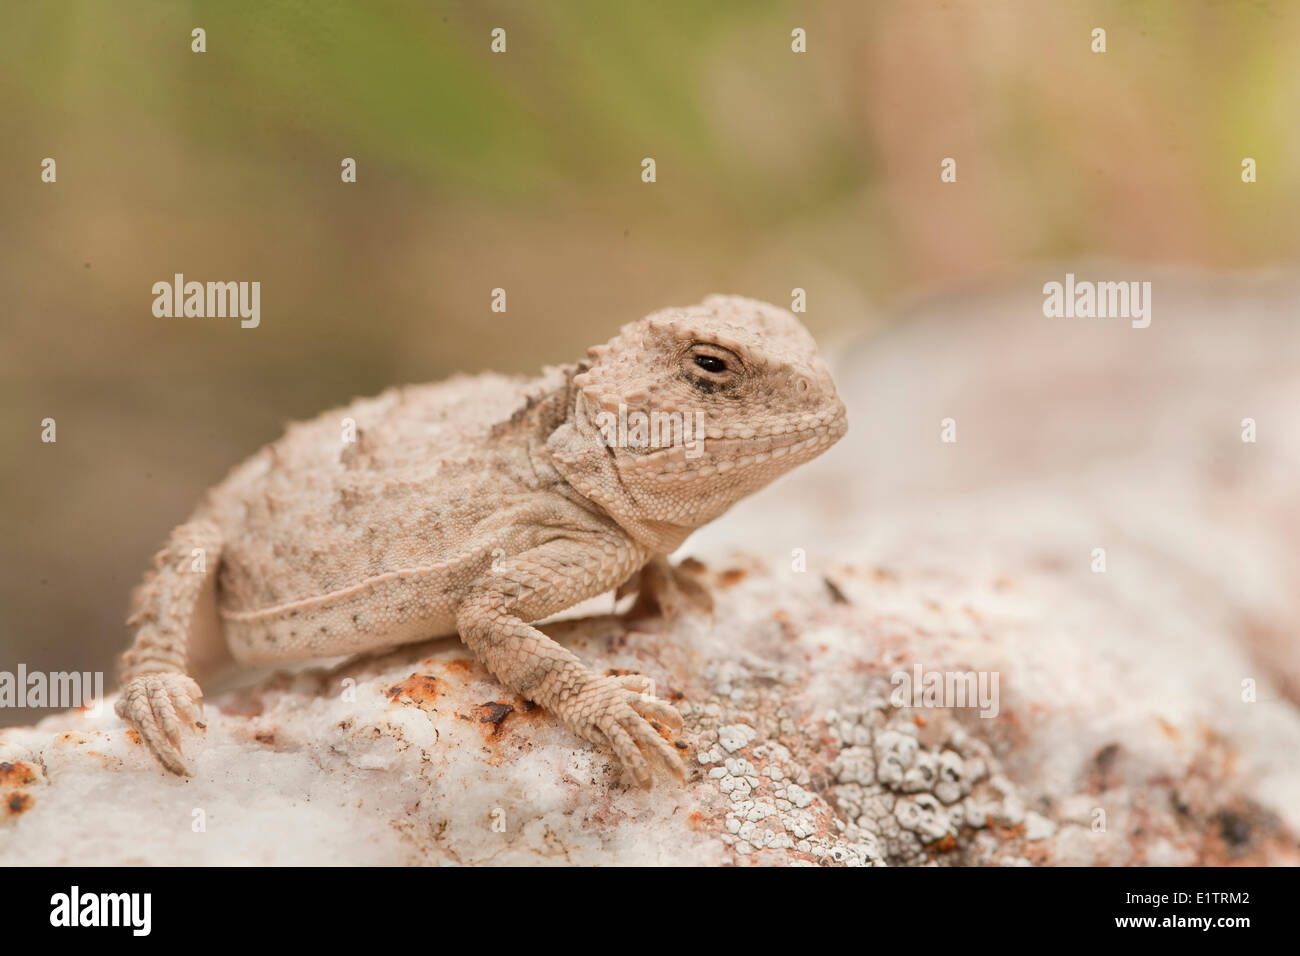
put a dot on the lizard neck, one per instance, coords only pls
(572, 445)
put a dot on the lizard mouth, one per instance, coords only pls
(724, 449)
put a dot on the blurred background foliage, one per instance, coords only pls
(522, 171)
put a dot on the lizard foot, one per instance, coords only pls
(627, 718)
(157, 705)
(665, 591)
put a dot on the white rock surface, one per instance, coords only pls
(1121, 735)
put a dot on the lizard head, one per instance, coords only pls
(694, 408)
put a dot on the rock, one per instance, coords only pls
(820, 705)
(736, 736)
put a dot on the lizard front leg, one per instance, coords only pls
(158, 695)
(618, 712)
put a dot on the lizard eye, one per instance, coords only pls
(711, 367)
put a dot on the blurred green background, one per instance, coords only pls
(522, 171)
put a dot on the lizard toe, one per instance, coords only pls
(157, 706)
(654, 709)
(637, 683)
(629, 755)
(648, 740)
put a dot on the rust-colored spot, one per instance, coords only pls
(696, 820)
(884, 574)
(1007, 832)
(16, 774)
(919, 720)
(732, 576)
(1168, 729)
(528, 710)
(461, 665)
(265, 737)
(132, 735)
(494, 712)
(945, 845)
(17, 803)
(419, 689)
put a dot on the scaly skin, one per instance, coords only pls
(479, 505)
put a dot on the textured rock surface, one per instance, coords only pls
(1121, 735)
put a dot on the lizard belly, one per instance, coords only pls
(393, 608)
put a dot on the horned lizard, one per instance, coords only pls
(479, 505)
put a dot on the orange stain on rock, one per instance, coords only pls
(419, 689)
(16, 774)
(16, 803)
(492, 715)
(732, 576)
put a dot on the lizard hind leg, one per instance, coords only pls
(171, 611)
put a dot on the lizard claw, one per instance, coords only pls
(647, 705)
(637, 683)
(656, 710)
(157, 705)
(628, 720)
